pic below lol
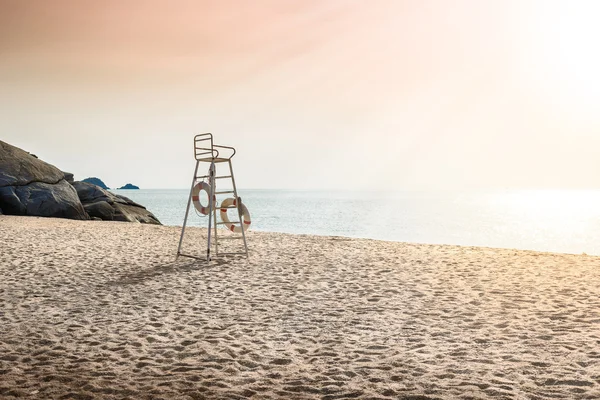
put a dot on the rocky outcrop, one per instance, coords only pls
(129, 186)
(100, 203)
(96, 181)
(30, 186)
(69, 177)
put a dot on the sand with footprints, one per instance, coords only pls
(103, 310)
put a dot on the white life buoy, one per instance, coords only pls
(205, 210)
(245, 215)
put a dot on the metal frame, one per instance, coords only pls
(206, 151)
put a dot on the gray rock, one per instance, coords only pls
(127, 200)
(69, 177)
(29, 186)
(11, 204)
(89, 193)
(100, 209)
(97, 202)
(128, 213)
(45, 200)
(18, 168)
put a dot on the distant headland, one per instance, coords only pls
(96, 181)
(129, 186)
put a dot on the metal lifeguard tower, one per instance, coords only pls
(205, 151)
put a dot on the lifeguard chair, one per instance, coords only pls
(213, 155)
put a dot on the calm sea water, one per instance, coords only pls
(558, 221)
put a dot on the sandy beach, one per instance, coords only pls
(92, 309)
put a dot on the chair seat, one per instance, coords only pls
(215, 160)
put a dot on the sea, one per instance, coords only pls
(565, 221)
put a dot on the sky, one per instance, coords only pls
(314, 94)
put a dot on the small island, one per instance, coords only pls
(96, 181)
(129, 186)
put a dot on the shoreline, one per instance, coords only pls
(516, 249)
(584, 254)
(509, 220)
(92, 309)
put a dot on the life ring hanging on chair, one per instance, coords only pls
(200, 186)
(245, 215)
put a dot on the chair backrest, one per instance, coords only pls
(203, 146)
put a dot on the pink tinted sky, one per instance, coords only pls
(314, 94)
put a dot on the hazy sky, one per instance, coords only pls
(313, 93)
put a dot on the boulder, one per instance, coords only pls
(30, 186)
(42, 199)
(10, 201)
(89, 193)
(69, 177)
(19, 168)
(101, 210)
(128, 201)
(97, 202)
(129, 213)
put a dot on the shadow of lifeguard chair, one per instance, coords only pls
(205, 151)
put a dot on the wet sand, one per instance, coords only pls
(102, 310)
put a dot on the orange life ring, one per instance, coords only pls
(205, 210)
(245, 216)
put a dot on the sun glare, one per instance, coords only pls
(568, 42)
(564, 212)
